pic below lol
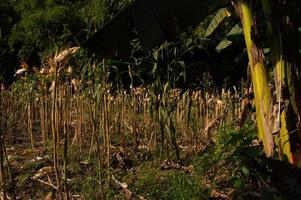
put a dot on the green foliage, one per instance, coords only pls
(173, 62)
(30, 30)
(43, 27)
(113, 7)
(180, 186)
(177, 185)
(94, 14)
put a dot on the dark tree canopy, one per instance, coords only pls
(153, 21)
(30, 30)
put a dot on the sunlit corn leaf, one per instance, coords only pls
(53, 66)
(75, 84)
(118, 183)
(219, 102)
(217, 20)
(20, 71)
(69, 70)
(23, 68)
(61, 56)
(44, 71)
(51, 88)
(60, 72)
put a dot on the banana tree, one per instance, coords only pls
(259, 76)
(282, 31)
(279, 123)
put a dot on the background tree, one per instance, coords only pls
(42, 27)
(7, 19)
(32, 29)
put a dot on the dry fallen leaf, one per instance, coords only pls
(48, 197)
(42, 172)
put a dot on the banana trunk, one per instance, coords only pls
(260, 79)
(284, 60)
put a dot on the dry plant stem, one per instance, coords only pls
(122, 143)
(9, 170)
(106, 131)
(45, 106)
(145, 118)
(5, 153)
(84, 127)
(157, 123)
(207, 112)
(55, 134)
(2, 179)
(93, 123)
(118, 122)
(174, 137)
(59, 111)
(2, 169)
(106, 139)
(66, 125)
(135, 111)
(78, 130)
(99, 152)
(56, 112)
(49, 183)
(29, 123)
(80, 123)
(42, 121)
(100, 171)
(161, 122)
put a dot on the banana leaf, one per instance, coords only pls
(235, 34)
(217, 20)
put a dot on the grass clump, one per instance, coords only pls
(153, 183)
(221, 170)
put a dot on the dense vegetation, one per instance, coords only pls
(32, 29)
(187, 120)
